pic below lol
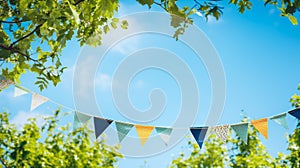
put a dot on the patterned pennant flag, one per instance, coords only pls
(19, 91)
(164, 133)
(199, 134)
(262, 126)
(295, 113)
(221, 132)
(281, 120)
(123, 129)
(144, 132)
(100, 125)
(241, 130)
(4, 83)
(37, 100)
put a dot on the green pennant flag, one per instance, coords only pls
(164, 133)
(83, 118)
(123, 129)
(241, 130)
(76, 122)
(281, 120)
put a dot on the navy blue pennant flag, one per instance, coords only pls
(199, 134)
(100, 125)
(295, 113)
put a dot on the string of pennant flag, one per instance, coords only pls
(144, 131)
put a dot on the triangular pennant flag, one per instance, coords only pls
(123, 129)
(76, 122)
(100, 125)
(221, 132)
(164, 133)
(83, 118)
(199, 134)
(295, 113)
(19, 91)
(281, 120)
(37, 100)
(4, 83)
(144, 132)
(262, 126)
(241, 130)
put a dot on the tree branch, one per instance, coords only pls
(13, 50)
(12, 22)
(29, 34)
(3, 163)
(17, 51)
(78, 2)
(160, 4)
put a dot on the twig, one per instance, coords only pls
(29, 34)
(17, 51)
(160, 4)
(3, 163)
(78, 2)
(12, 22)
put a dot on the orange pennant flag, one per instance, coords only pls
(262, 126)
(144, 132)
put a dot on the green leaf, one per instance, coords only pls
(75, 14)
(293, 19)
(124, 24)
(146, 2)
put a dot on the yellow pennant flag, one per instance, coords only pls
(144, 132)
(262, 126)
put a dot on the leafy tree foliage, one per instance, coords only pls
(239, 154)
(50, 146)
(294, 139)
(215, 155)
(33, 33)
(252, 154)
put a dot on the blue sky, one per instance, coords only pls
(259, 53)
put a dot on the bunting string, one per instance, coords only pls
(144, 131)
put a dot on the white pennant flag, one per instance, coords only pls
(19, 91)
(37, 100)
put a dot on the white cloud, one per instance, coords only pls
(83, 82)
(139, 84)
(115, 38)
(213, 20)
(22, 118)
(271, 11)
(103, 81)
(127, 47)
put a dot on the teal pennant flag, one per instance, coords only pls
(164, 133)
(123, 129)
(80, 119)
(281, 120)
(241, 130)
